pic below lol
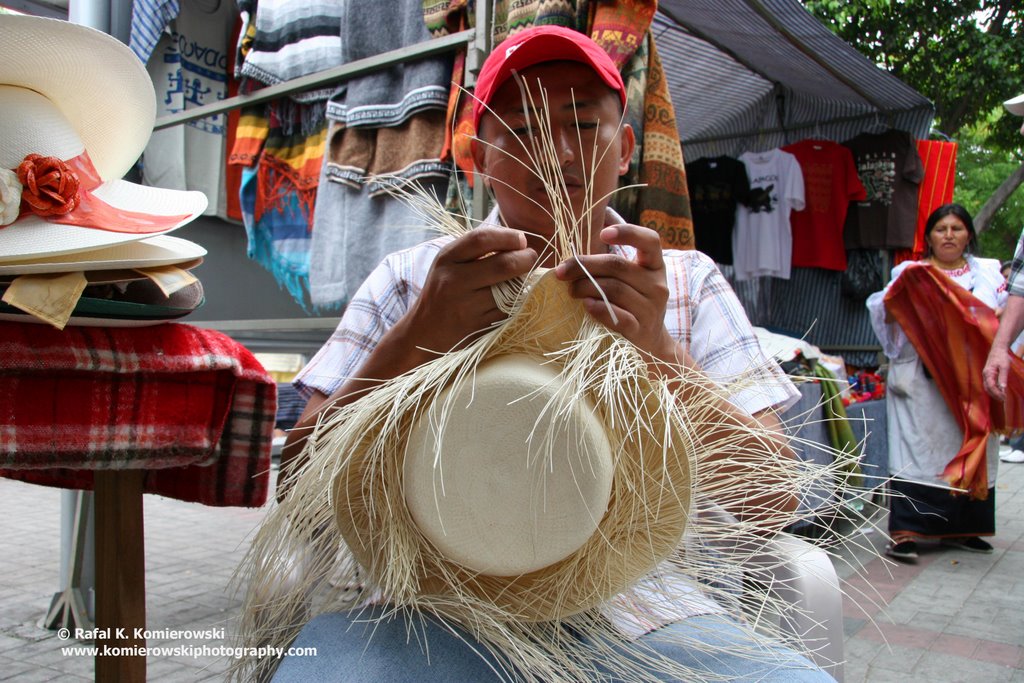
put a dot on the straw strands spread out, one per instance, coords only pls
(344, 538)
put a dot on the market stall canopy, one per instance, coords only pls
(755, 74)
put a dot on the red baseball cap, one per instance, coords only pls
(538, 45)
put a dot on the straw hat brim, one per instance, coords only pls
(32, 237)
(162, 250)
(647, 512)
(93, 78)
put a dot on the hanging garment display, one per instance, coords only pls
(189, 69)
(149, 19)
(830, 184)
(890, 169)
(939, 160)
(717, 186)
(280, 144)
(762, 243)
(386, 127)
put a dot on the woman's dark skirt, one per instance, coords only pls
(929, 512)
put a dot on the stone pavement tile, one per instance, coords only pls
(957, 646)
(1011, 615)
(1000, 653)
(951, 669)
(862, 650)
(851, 626)
(39, 675)
(978, 607)
(855, 672)
(76, 665)
(877, 674)
(914, 610)
(862, 605)
(176, 670)
(897, 658)
(12, 669)
(8, 643)
(879, 583)
(895, 635)
(50, 654)
(982, 629)
(933, 621)
(1007, 569)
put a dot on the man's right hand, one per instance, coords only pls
(456, 303)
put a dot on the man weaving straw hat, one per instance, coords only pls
(508, 433)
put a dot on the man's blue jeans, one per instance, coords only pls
(350, 649)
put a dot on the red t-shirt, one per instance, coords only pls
(830, 184)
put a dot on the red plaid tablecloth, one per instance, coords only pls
(192, 407)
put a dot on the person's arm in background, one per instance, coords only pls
(998, 363)
(1011, 323)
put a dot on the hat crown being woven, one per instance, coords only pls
(511, 486)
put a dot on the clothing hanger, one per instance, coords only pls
(880, 126)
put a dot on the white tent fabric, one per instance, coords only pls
(756, 74)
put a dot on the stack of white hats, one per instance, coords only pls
(78, 245)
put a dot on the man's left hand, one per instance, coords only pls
(636, 289)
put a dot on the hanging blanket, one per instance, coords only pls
(291, 38)
(952, 331)
(284, 139)
(278, 196)
(622, 28)
(192, 407)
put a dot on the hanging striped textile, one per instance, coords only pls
(939, 159)
(810, 305)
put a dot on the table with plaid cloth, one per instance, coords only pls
(169, 409)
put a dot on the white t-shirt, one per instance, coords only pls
(189, 68)
(762, 243)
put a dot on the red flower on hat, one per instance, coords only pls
(50, 186)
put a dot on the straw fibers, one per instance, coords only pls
(344, 537)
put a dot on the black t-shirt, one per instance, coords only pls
(891, 170)
(716, 185)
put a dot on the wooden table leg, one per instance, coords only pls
(120, 576)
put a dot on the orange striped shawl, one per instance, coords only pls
(952, 331)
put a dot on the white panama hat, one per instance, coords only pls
(522, 491)
(151, 252)
(523, 499)
(1015, 105)
(79, 95)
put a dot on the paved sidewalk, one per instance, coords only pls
(191, 552)
(954, 616)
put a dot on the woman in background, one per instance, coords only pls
(924, 436)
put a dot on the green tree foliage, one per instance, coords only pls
(981, 169)
(967, 57)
